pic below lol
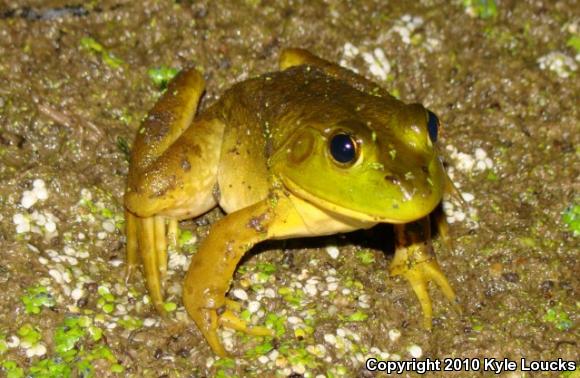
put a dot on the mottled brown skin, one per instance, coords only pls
(262, 153)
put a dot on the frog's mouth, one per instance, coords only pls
(350, 213)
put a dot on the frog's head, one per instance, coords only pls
(376, 166)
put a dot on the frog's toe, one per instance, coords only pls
(172, 233)
(207, 321)
(233, 305)
(150, 259)
(230, 320)
(160, 246)
(433, 273)
(419, 275)
(132, 245)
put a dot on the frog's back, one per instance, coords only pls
(260, 114)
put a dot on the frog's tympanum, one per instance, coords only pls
(311, 150)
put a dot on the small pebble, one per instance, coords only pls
(468, 197)
(488, 163)
(13, 341)
(23, 228)
(240, 294)
(273, 355)
(19, 218)
(330, 338)
(480, 154)
(77, 294)
(109, 226)
(299, 368)
(350, 50)
(56, 275)
(116, 262)
(394, 334)
(415, 351)
(38, 183)
(333, 252)
(466, 162)
(28, 199)
(67, 277)
(50, 226)
(36, 350)
(294, 320)
(310, 289)
(41, 193)
(363, 304)
(253, 306)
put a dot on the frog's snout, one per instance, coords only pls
(407, 189)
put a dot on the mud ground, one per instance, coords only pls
(75, 81)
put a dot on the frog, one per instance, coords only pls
(309, 150)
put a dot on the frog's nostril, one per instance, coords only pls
(392, 179)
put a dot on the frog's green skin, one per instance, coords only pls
(262, 154)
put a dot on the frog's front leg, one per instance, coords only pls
(212, 267)
(414, 259)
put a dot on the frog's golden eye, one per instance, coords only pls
(343, 148)
(432, 125)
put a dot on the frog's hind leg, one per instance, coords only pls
(414, 259)
(212, 267)
(168, 177)
(167, 120)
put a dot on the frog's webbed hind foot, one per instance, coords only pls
(209, 320)
(147, 239)
(415, 261)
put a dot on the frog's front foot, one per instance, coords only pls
(415, 261)
(208, 317)
(419, 275)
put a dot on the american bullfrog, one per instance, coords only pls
(313, 149)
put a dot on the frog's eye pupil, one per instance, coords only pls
(432, 126)
(343, 148)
